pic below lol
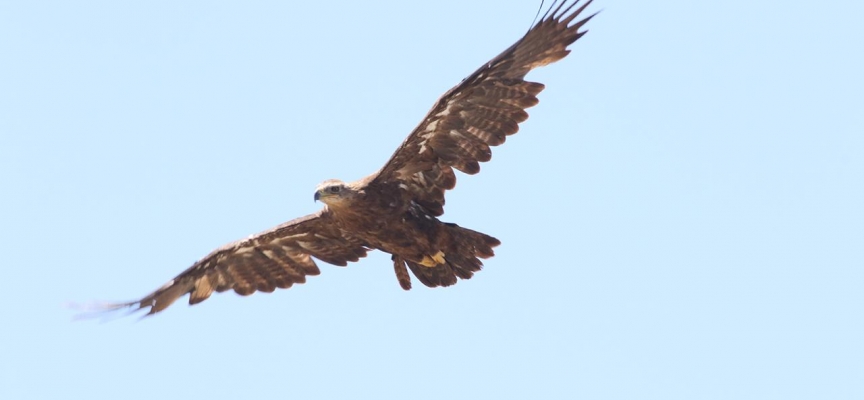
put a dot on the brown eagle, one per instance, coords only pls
(396, 209)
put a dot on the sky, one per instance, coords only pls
(681, 217)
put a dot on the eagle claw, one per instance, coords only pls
(433, 261)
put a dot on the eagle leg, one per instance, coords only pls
(433, 261)
(401, 272)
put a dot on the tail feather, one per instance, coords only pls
(439, 275)
(463, 248)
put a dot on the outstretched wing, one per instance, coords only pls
(479, 112)
(277, 258)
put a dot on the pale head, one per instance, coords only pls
(334, 192)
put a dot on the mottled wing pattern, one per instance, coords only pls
(480, 112)
(277, 258)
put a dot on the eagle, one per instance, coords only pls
(396, 209)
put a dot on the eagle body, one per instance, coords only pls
(382, 217)
(397, 208)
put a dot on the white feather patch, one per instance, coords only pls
(290, 238)
(306, 245)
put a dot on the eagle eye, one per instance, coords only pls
(334, 189)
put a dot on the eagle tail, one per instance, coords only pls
(463, 248)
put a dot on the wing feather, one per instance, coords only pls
(274, 259)
(480, 112)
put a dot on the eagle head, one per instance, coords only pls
(334, 192)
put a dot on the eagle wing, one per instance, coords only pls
(276, 258)
(479, 112)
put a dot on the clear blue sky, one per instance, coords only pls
(681, 217)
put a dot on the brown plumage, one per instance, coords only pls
(395, 209)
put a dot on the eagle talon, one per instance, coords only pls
(433, 261)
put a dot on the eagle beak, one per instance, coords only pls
(317, 196)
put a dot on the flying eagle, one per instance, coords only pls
(396, 209)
